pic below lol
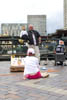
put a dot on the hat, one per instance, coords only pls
(30, 51)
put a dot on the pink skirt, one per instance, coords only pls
(35, 76)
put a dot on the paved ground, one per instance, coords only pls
(13, 87)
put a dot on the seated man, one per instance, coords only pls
(60, 56)
(32, 70)
(60, 49)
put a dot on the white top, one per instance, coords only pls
(23, 33)
(31, 65)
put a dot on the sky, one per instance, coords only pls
(16, 11)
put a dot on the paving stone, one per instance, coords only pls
(53, 98)
(13, 87)
(12, 96)
(63, 98)
(9, 99)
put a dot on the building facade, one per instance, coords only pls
(65, 14)
(12, 29)
(39, 23)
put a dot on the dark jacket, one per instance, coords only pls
(60, 49)
(25, 37)
(30, 37)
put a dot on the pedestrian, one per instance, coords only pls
(60, 53)
(34, 40)
(24, 34)
(32, 69)
(60, 47)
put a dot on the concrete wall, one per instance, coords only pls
(39, 23)
(12, 28)
(65, 14)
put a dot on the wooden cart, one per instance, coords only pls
(17, 63)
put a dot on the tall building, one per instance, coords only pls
(12, 28)
(65, 14)
(39, 23)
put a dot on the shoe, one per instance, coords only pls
(45, 75)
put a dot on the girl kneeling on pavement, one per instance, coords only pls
(32, 70)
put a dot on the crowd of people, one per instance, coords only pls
(32, 60)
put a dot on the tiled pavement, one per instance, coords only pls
(13, 87)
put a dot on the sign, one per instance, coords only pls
(17, 61)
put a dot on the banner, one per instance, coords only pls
(17, 61)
